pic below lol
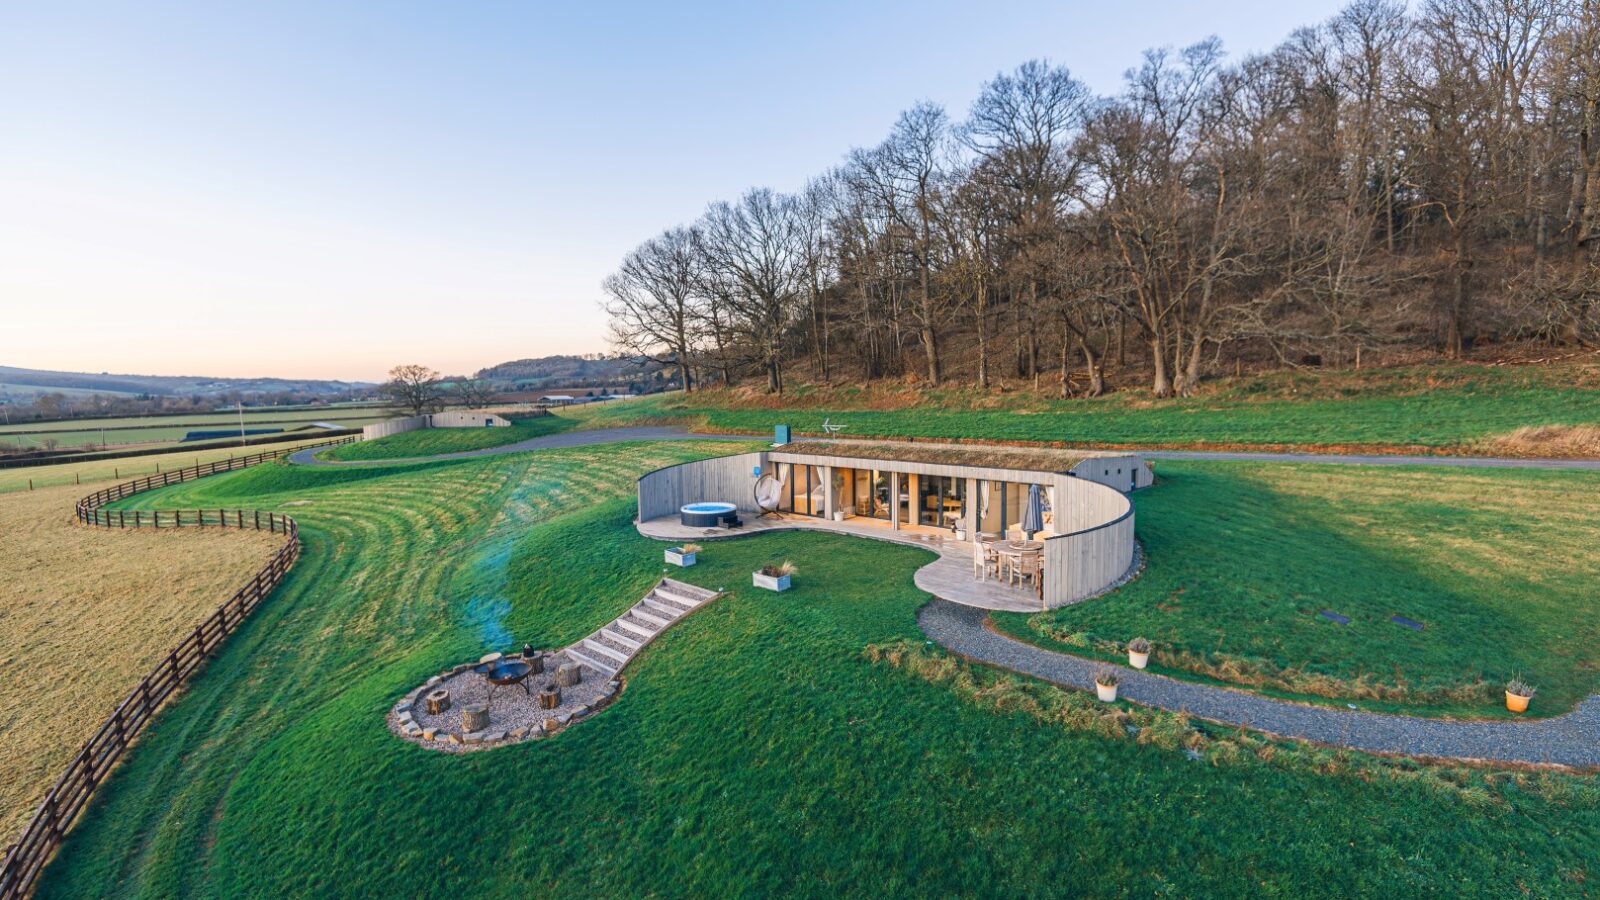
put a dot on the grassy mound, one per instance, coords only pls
(430, 441)
(1434, 408)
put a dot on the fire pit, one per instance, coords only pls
(502, 672)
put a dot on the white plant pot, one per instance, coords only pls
(770, 582)
(1138, 660)
(1107, 692)
(677, 557)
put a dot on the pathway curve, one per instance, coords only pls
(1572, 739)
(307, 457)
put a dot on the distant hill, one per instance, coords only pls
(555, 371)
(23, 384)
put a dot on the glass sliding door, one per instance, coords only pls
(941, 501)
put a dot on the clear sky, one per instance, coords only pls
(328, 189)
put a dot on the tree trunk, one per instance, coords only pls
(1460, 298)
(1095, 367)
(1160, 384)
(983, 336)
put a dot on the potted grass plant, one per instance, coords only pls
(1105, 685)
(1138, 653)
(774, 577)
(1518, 694)
(683, 556)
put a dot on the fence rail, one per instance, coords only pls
(62, 458)
(57, 813)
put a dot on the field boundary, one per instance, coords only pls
(66, 799)
(61, 458)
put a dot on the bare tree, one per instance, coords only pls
(414, 388)
(654, 299)
(475, 392)
(755, 253)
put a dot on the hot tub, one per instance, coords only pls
(706, 515)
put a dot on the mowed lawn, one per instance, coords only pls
(756, 751)
(1499, 565)
(84, 614)
(1400, 408)
(429, 441)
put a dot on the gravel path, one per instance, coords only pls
(1572, 739)
(307, 457)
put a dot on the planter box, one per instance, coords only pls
(1138, 660)
(770, 582)
(677, 557)
(1107, 693)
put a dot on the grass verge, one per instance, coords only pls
(1243, 558)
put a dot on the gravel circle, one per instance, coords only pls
(1572, 739)
(514, 714)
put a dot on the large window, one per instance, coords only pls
(1000, 507)
(940, 500)
(802, 489)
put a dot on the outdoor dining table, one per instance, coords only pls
(1012, 552)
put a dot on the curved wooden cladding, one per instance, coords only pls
(1085, 563)
(730, 479)
(59, 810)
(1092, 556)
(1098, 548)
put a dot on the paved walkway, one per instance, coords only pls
(1572, 739)
(307, 457)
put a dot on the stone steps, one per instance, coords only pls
(603, 668)
(609, 649)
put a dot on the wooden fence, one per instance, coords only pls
(26, 858)
(64, 457)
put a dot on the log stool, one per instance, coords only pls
(437, 701)
(549, 697)
(474, 717)
(569, 674)
(535, 661)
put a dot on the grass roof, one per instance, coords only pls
(1020, 458)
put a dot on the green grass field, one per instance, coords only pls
(757, 749)
(165, 429)
(209, 420)
(1243, 557)
(429, 441)
(1402, 408)
(91, 471)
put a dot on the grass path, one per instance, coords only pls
(756, 751)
